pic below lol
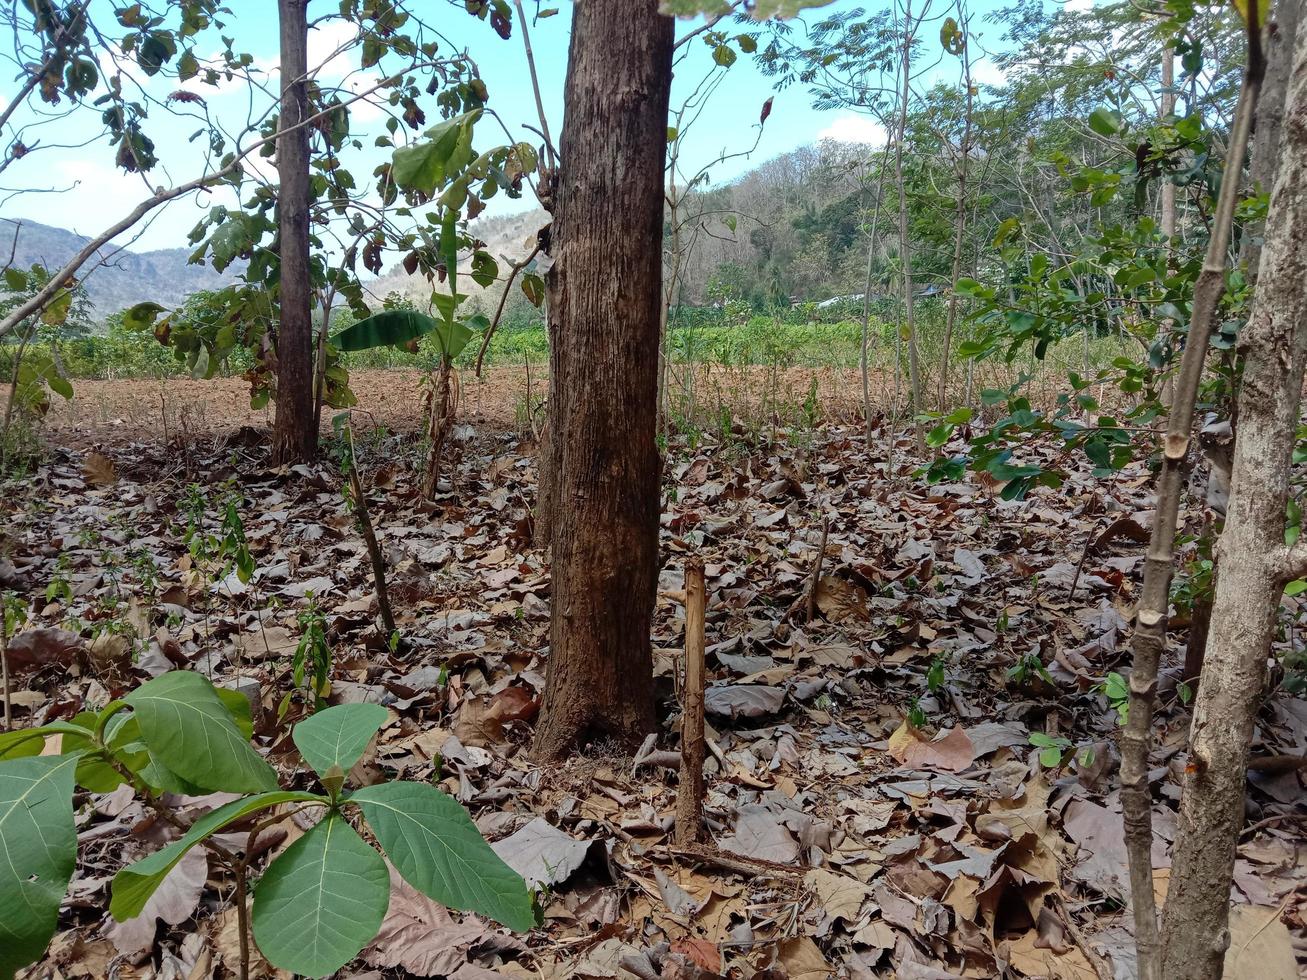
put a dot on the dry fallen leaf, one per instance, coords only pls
(99, 470)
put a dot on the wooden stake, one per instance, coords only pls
(689, 797)
(816, 569)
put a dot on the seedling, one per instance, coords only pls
(318, 903)
(1117, 691)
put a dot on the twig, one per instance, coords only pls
(816, 569)
(503, 299)
(689, 793)
(4, 671)
(1101, 969)
(749, 867)
(370, 537)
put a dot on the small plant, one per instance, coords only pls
(318, 903)
(1117, 691)
(1028, 668)
(311, 660)
(935, 675)
(60, 588)
(916, 714)
(1051, 750)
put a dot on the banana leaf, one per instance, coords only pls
(395, 327)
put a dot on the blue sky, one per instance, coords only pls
(87, 193)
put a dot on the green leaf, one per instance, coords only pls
(1105, 122)
(338, 735)
(392, 327)
(185, 724)
(141, 316)
(321, 901)
(134, 884)
(1297, 587)
(39, 844)
(433, 843)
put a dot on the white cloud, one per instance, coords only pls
(985, 72)
(848, 128)
(331, 55)
(1080, 5)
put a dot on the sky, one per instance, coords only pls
(79, 189)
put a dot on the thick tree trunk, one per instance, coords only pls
(604, 297)
(294, 436)
(1254, 567)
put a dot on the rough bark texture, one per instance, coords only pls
(1254, 566)
(442, 408)
(1154, 601)
(605, 287)
(294, 436)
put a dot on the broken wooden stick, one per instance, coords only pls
(689, 794)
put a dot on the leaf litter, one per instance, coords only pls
(877, 806)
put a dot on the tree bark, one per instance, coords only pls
(1254, 567)
(294, 436)
(1154, 603)
(960, 217)
(605, 288)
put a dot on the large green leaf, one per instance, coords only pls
(134, 884)
(392, 327)
(447, 150)
(190, 730)
(38, 848)
(437, 848)
(338, 735)
(321, 901)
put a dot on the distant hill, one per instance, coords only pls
(118, 278)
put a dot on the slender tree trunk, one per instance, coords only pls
(294, 436)
(1151, 616)
(605, 286)
(1254, 568)
(320, 357)
(960, 218)
(864, 359)
(905, 244)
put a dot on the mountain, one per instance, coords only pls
(118, 277)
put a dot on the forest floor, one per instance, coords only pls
(845, 841)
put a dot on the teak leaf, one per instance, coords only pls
(190, 730)
(321, 901)
(134, 884)
(338, 736)
(39, 844)
(434, 844)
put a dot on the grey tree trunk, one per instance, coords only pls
(1255, 564)
(294, 435)
(604, 297)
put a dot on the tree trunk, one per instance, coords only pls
(905, 244)
(864, 358)
(1263, 169)
(959, 219)
(1150, 633)
(294, 436)
(1254, 567)
(605, 290)
(442, 408)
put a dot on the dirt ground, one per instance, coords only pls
(120, 411)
